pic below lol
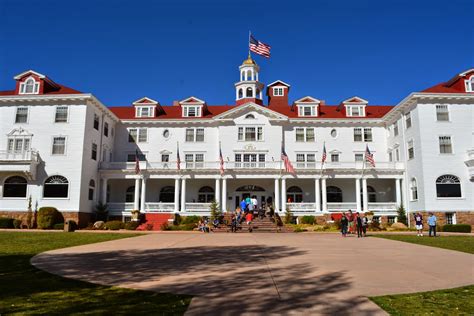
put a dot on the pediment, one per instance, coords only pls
(355, 99)
(19, 132)
(246, 108)
(29, 73)
(308, 99)
(192, 100)
(145, 101)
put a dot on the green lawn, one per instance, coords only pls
(459, 243)
(458, 301)
(27, 290)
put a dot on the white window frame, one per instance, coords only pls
(139, 132)
(395, 129)
(52, 145)
(361, 157)
(442, 109)
(96, 118)
(197, 109)
(363, 132)
(413, 188)
(130, 156)
(302, 107)
(35, 86)
(470, 84)
(27, 114)
(96, 151)
(450, 144)
(242, 133)
(194, 163)
(335, 154)
(194, 135)
(306, 160)
(140, 109)
(278, 91)
(56, 114)
(360, 110)
(305, 135)
(412, 143)
(408, 120)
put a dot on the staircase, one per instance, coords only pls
(264, 225)
(154, 221)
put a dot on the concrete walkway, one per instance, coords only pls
(235, 274)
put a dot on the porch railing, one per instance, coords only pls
(382, 206)
(159, 207)
(302, 207)
(343, 206)
(119, 208)
(197, 207)
(27, 155)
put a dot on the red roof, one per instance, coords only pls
(455, 85)
(62, 90)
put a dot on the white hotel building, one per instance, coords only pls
(64, 148)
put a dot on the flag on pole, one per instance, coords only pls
(178, 160)
(286, 161)
(369, 157)
(137, 162)
(323, 158)
(221, 160)
(258, 47)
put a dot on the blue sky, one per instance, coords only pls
(169, 50)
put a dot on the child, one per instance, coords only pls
(419, 224)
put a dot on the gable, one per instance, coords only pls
(244, 109)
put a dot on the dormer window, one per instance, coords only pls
(470, 85)
(307, 106)
(278, 91)
(355, 110)
(30, 86)
(306, 110)
(144, 111)
(192, 111)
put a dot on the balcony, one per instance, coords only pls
(25, 162)
(470, 162)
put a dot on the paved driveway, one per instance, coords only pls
(265, 273)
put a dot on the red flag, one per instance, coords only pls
(137, 163)
(221, 161)
(178, 160)
(288, 166)
(323, 158)
(369, 157)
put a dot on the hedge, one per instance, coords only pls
(6, 222)
(193, 219)
(48, 217)
(307, 219)
(58, 226)
(457, 228)
(17, 223)
(114, 225)
(131, 225)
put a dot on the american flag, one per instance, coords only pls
(221, 161)
(258, 47)
(369, 157)
(137, 162)
(288, 166)
(178, 160)
(323, 158)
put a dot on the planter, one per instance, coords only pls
(135, 215)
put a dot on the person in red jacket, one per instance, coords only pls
(248, 219)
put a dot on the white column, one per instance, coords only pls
(283, 195)
(357, 190)
(224, 195)
(104, 190)
(183, 195)
(176, 195)
(317, 194)
(142, 204)
(217, 190)
(277, 195)
(397, 192)
(136, 199)
(324, 195)
(364, 195)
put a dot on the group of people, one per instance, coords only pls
(431, 224)
(352, 222)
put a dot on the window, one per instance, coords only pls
(355, 110)
(21, 115)
(359, 157)
(305, 160)
(191, 111)
(367, 134)
(165, 158)
(144, 111)
(206, 195)
(278, 91)
(333, 133)
(397, 154)
(59, 145)
(131, 157)
(470, 84)
(140, 134)
(442, 113)
(195, 134)
(130, 194)
(408, 120)
(18, 144)
(391, 219)
(395, 129)
(250, 134)
(390, 156)
(304, 134)
(448, 186)
(445, 146)
(371, 194)
(194, 160)
(241, 94)
(250, 117)
(94, 151)
(167, 194)
(335, 157)
(96, 122)
(249, 160)
(333, 194)
(294, 194)
(30, 86)
(411, 150)
(166, 133)
(15, 187)
(61, 114)
(106, 129)
(91, 189)
(413, 189)
(249, 92)
(56, 187)
(450, 218)
(306, 110)
(358, 134)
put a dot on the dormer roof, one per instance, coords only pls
(307, 99)
(355, 100)
(192, 101)
(457, 84)
(145, 101)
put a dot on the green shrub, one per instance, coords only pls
(177, 219)
(289, 216)
(185, 227)
(457, 228)
(48, 216)
(300, 230)
(58, 226)
(6, 222)
(114, 225)
(17, 223)
(194, 219)
(132, 225)
(307, 219)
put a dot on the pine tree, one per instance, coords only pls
(402, 215)
(288, 216)
(29, 214)
(215, 212)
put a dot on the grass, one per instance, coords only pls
(458, 301)
(27, 290)
(458, 243)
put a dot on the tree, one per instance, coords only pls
(288, 216)
(215, 212)
(29, 214)
(402, 215)
(101, 212)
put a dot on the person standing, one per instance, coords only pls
(419, 224)
(249, 218)
(344, 224)
(365, 223)
(432, 223)
(358, 221)
(350, 219)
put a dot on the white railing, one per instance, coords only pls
(198, 207)
(379, 206)
(159, 207)
(27, 155)
(302, 208)
(119, 208)
(343, 206)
